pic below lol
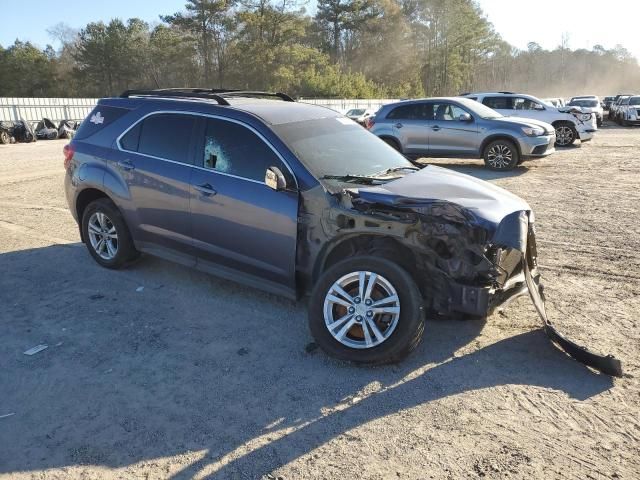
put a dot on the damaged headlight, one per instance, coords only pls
(533, 131)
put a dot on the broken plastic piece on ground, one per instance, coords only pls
(36, 349)
(606, 364)
(139, 289)
(7, 415)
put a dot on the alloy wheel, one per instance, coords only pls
(499, 156)
(103, 236)
(564, 135)
(361, 309)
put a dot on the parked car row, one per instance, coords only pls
(625, 110)
(298, 200)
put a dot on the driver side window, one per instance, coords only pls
(233, 149)
(447, 112)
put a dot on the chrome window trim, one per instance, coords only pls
(206, 115)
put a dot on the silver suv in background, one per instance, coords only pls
(461, 127)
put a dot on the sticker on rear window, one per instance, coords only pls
(97, 118)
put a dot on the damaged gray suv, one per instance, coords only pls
(298, 200)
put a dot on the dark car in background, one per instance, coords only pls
(462, 127)
(298, 200)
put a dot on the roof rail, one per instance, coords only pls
(251, 93)
(209, 94)
(507, 93)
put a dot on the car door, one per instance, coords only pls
(448, 135)
(156, 161)
(409, 124)
(242, 228)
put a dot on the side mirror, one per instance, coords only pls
(538, 107)
(465, 117)
(274, 179)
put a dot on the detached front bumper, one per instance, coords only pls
(517, 264)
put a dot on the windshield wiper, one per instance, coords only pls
(354, 178)
(398, 169)
(374, 177)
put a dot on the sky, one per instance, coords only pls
(587, 22)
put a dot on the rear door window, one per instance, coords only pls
(498, 103)
(414, 111)
(163, 135)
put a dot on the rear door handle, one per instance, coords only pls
(398, 125)
(206, 189)
(435, 128)
(126, 165)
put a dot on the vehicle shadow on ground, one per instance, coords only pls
(197, 364)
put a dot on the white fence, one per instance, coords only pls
(56, 109)
(342, 105)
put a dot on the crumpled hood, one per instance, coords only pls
(432, 184)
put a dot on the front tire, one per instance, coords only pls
(106, 234)
(366, 310)
(566, 134)
(501, 155)
(5, 138)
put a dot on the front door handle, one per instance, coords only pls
(126, 165)
(435, 128)
(398, 125)
(206, 189)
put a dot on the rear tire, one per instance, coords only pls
(374, 337)
(106, 234)
(501, 155)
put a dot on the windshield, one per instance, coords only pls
(355, 112)
(337, 146)
(634, 101)
(479, 109)
(584, 103)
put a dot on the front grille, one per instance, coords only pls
(540, 149)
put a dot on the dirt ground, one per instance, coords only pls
(196, 377)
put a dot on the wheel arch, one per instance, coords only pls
(366, 244)
(500, 136)
(393, 139)
(83, 199)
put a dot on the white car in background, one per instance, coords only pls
(360, 115)
(571, 123)
(629, 111)
(589, 103)
(556, 102)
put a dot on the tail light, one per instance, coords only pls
(369, 123)
(68, 152)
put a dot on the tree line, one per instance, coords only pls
(347, 49)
